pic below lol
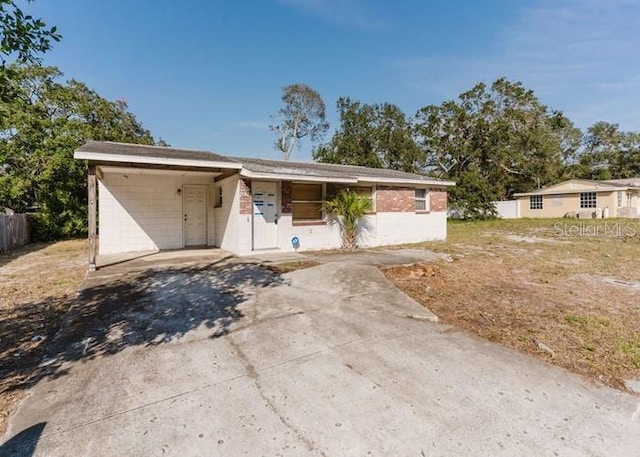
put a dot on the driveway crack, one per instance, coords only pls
(253, 374)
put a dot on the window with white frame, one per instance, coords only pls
(588, 200)
(619, 195)
(535, 202)
(421, 200)
(306, 202)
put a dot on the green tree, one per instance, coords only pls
(495, 141)
(377, 136)
(348, 209)
(627, 164)
(39, 130)
(608, 153)
(22, 37)
(303, 115)
(23, 34)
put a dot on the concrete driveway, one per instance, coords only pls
(230, 359)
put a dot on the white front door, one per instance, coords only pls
(194, 206)
(265, 214)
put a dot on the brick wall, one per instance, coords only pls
(286, 197)
(244, 187)
(402, 199)
(438, 199)
(395, 199)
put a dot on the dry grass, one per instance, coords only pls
(286, 267)
(37, 285)
(565, 294)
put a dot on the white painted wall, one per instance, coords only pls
(377, 230)
(224, 225)
(507, 209)
(397, 228)
(232, 230)
(140, 212)
(312, 237)
(144, 212)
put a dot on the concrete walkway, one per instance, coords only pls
(233, 360)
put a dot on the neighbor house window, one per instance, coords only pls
(421, 200)
(535, 202)
(588, 200)
(619, 199)
(306, 202)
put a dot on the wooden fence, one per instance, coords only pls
(14, 231)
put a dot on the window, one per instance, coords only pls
(421, 200)
(588, 200)
(535, 202)
(619, 199)
(366, 192)
(306, 202)
(218, 199)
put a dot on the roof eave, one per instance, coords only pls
(336, 179)
(294, 177)
(429, 182)
(570, 191)
(102, 157)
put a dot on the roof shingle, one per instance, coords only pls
(143, 150)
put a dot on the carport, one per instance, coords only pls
(150, 198)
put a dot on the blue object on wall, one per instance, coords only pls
(295, 242)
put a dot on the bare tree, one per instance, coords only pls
(302, 115)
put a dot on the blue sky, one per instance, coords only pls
(208, 74)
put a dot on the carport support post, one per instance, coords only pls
(91, 188)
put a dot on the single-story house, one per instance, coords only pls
(584, 198)
(152, 198)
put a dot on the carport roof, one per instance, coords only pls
(113, 153)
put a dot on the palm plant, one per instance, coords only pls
(348, 208)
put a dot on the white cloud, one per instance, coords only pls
(579, 56)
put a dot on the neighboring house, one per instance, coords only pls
(583, 198)
(152, 198)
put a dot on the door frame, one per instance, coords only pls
(253, 227)
(206, 215)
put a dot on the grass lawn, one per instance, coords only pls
(37, 285)
(564, 290)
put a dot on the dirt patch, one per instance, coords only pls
(634, 285)
(538, 297)
(531, 239)
(38, 283)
